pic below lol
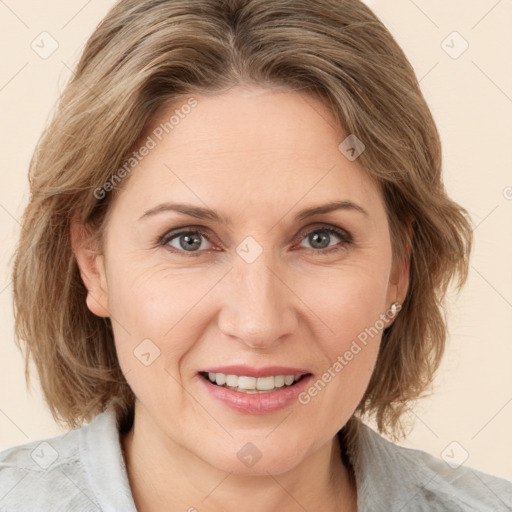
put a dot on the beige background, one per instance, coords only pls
(471, 99)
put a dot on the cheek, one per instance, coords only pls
(153, 298)
(159, 305)
(351, 303)
(153, 331)
(351, 307)
(348, 300)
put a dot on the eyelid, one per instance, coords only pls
(343, 234)
(172, 233)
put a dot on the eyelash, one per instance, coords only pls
(345, 236)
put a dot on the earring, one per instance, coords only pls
(395, 308)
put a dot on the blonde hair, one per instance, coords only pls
(146, 54)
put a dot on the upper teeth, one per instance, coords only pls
(252, 383)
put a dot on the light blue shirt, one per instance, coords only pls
(84, 471)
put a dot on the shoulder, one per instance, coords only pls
(406, 479)
(46, 474)
(81, 470)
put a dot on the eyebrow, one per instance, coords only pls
(207, 214)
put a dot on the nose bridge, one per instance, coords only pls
(257, 307)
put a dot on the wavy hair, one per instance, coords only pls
(146, 54)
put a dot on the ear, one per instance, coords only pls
(399, 278)
(92, 268)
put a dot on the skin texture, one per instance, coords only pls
(257, 157)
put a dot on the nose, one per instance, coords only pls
(257, 306)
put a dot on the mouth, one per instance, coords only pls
(254, 384)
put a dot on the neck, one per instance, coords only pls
(164, 475)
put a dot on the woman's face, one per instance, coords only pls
(268, 290)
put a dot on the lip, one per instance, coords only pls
(248, 371)
(257, 404)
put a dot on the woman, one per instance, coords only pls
(237, 244)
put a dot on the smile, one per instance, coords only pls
(255, 394)
(251, 385)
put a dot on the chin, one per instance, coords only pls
(260, 456)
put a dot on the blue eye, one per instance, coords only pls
(191, 241)
(320, 238)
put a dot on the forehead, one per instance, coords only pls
(248, 147)
(251, 120)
